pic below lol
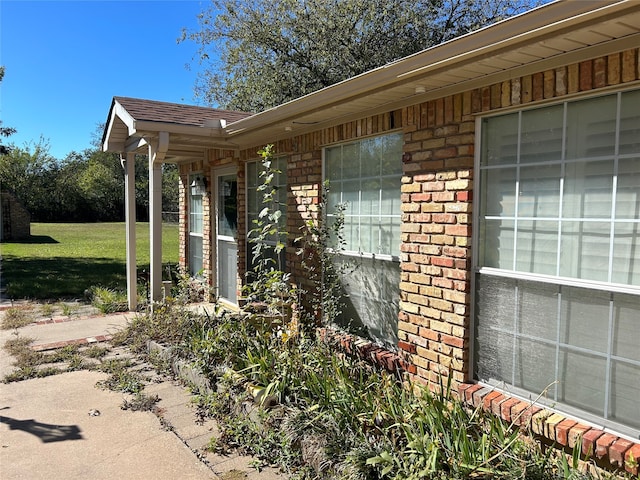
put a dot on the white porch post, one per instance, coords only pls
(128, 163)
(156, 156)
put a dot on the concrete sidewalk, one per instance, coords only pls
(49, 429)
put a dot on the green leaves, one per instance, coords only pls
(268, 52)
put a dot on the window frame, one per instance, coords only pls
(195, 234)
(387, 328)
(613, 289)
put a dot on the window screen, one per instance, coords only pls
(558, 282)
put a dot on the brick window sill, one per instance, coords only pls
(612, 451)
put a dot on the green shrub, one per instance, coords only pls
(109, 300)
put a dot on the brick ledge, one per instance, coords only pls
(366, 350)
(606, 447)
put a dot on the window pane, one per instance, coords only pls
(195, 214)
(624, 404)
(535, 367)
(369, 234)
(392, 154)
(630, 123)
(584, 318)
(333, 163)
(539, 194)
(370, 203)
(585, 250)
(500, 140)
(537, 247)
(591, 127)
(390, 187)
(499, 192)
(541, 137)
(628, 191)
(625, 327)
(626, 254)
(372, 289)
(588, 190)
(497, 244)
(370, 157)
(350, 161)
(195, 255)
(538, 310)
(585, 391)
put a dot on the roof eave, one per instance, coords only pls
(531, 26)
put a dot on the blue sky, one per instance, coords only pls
(65, 60)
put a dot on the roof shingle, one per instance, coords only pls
(165, 112)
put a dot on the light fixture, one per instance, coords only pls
(198, 186)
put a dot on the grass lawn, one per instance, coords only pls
(62, 260)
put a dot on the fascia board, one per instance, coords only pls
(529, 27)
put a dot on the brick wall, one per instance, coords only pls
(16, 220)
(434, 321)
(436, 193)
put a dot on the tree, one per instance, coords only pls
(27, 173)
(272, 51)
(4, 131)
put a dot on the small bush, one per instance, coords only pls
(16, 317)
(109, 300)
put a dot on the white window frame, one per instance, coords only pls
(352, 256)
(195, 234)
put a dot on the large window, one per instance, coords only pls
(558, 278)
(366, 176)
(255, 201)
(196, 225)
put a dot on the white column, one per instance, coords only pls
(130, 222)
(157, 152)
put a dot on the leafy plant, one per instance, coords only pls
(268, 282)
(109, 300)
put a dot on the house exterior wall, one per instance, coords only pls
(16, 220)
(434, 323)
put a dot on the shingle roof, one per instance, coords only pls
(164, 112)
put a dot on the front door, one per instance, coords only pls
(226, 221)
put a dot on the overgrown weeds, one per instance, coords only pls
(16, 317)
(109, 300)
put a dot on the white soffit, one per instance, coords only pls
(555, 34)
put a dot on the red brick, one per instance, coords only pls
(464, 196)
(486, 401)
(517, 412)
(576, 433)
(632, 459)
(505, 409)
(469, 391)
(589, 441)
(618, 451)
(407, 347)
(528, 413)
(496, 404)
(562, 431)
(603, 443)
(586, 75)
(479, 394)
